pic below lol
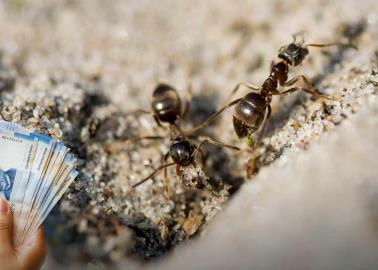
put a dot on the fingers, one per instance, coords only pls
(6, 227)
(32, 253)
(28, 256)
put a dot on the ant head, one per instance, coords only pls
(166, 103)
(293, 53)
(182, 152)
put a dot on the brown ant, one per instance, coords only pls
(253, 110)
(167, 108)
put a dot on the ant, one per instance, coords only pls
(252, 111)
(167, 108)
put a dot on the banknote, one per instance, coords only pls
(27, 186)
(16, 158)
(35, 171)
(33, 192)
(29, 176)
(41, 215)
(51, 182)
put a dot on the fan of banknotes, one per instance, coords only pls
(35, 171)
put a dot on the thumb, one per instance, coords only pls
(6, 227)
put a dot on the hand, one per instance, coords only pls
(29, 256)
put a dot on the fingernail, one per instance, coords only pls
(3, 206)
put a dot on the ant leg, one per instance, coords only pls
(239, 85)
(314, 93)
(118, 146)
(151, 138)
(310, 88)
(201, 157)
(137, 139)
(296, 79)
(178, 170)
(322, 45)
(215, 115)
(157, 120)
(252, 162)
(167, 193)
(211, 118)
(206, 139)
(139, 111)
(175, 129)
(152, 174)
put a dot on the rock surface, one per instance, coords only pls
(75, 70)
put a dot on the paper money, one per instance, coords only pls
(35, 171)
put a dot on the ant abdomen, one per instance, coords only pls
(166, 103)
(249, 114)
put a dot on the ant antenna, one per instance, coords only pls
(296, 34)
(152, 174)
(347, 45)
(211, 118)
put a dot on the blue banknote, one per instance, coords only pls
(35, 171)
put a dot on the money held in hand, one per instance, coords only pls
(35, 171)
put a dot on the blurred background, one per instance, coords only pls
(75, 69)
